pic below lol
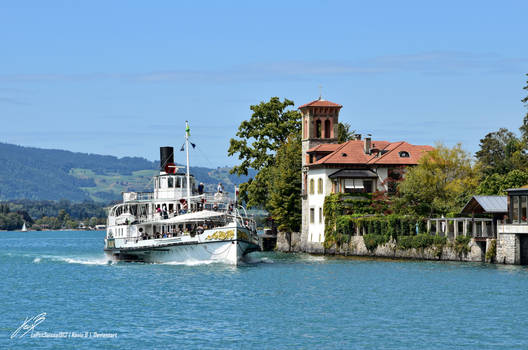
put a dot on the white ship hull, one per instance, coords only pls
(226, 245)
(228, 252)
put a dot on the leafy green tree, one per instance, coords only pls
(442, 182)
(257, 142)
(344, 133)
(524, 127)
(10, 221)
(501, 152)
(92, 222)
(63, 215)
(263, 134)
(497, 184)
(285, 185)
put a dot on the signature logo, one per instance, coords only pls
(28, 325)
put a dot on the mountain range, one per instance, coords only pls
(48, 174)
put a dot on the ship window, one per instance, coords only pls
(171, 182)
(178, 182)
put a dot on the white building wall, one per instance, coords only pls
(383, 173)
(316, 202)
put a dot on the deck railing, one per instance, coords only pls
(453, 227)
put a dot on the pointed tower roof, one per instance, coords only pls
(320, 102)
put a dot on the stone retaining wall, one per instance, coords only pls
(284, 239)
(357, 247)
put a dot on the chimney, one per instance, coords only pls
(166, 157)
(357, 137)
(367, 145)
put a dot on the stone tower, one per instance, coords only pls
(319, 126)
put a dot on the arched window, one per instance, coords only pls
(320, 186)
(404, 154)
(305, 129)
(327, 129)
(318, 129)
(311, 186)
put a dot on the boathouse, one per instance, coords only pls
(512, 238)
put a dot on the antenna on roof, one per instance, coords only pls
(320, 92)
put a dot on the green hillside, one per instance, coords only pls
(43, 174)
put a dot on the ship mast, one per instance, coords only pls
(187, 132)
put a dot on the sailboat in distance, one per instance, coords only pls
(24, 228)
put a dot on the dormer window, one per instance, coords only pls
(404, 154)
(343, 155)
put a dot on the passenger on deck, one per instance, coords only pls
(220, 188)
(201, 188)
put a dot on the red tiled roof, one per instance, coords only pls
(320, 103)
(325, 147)
(352, 153)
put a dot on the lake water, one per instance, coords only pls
(278, 301)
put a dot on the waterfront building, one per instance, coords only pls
(512, 237)
(361, 165)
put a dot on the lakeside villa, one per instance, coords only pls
(361, 165)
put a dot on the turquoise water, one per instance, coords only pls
(278, 301)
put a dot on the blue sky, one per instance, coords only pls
(121, 77)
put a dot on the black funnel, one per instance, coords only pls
(166, 156)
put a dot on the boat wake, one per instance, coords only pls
(83, 261)
(251, 260)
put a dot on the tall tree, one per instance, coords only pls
(442, 182)
(501, 152)
(497, 184)
(344, 133)
(285, 186)
(524, 127)
(259, 138)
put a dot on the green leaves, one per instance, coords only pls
(443, 181)
(497, 184)
(270, 143)
(285, 186)
(501, 152)
(344, 133)
(263, 134)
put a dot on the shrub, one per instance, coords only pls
(420, 241)
(492, 251)
(373, 240)
(461, 245)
